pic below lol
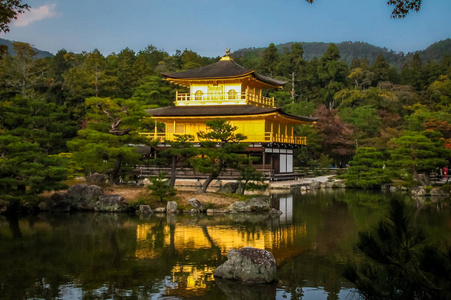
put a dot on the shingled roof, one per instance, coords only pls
(225, 110)
(221, 69)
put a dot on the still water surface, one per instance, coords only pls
(121, 256)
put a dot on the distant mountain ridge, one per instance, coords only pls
(348, 51)
(41, 53)
(351, 50)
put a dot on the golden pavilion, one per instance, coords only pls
(226, 90)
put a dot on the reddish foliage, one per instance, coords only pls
(337, 136)
(440, 126)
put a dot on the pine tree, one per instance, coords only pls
(420, 153)
(367, 169)
(220, 147)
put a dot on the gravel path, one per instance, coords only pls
(303, 181)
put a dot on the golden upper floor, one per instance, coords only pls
(223, 83)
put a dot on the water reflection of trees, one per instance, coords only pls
(107, 255)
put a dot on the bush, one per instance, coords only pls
(160, 187)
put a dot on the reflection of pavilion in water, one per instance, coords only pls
(212, 241)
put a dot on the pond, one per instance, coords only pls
(122, 256)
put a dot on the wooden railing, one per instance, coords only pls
(267, 137)
(222, 98)
(188, 173)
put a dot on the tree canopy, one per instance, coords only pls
(9, 10)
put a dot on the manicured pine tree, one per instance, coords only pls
(367, 169)
(113, 125)
(220, 147)
(420, 153)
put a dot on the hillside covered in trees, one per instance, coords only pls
(78, 113)
(352, 50)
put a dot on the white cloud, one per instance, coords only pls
(36, 14)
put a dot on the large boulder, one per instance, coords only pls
(315, 184)
(83, 196)
(249, 265)
(196, 204)
(259, 204)
(111, 203)
(58, 202)
(229, 187)
(239, 207)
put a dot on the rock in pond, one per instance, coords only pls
(259, 204)
(83, 196)
(160, 210)
(196, 204)
(58, 202)
(171, 207)
(144, 210)
(239, 207)
(251, 265)
(111, 203)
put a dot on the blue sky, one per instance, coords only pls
(209, 26)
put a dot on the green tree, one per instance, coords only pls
(420, 153)
(26, 170)
(113, 125)
(367, 169)
(126, 79)
(180, 149)
(21, 73)
(270, 60)
(401, 7)
(160, 187)
(398, 263)
(251, 179)
(153, 90)
(333, 75)
(365, 120)
(36, 121)
(291, 64)
(381, 70)
(9, 10)
(220, 149)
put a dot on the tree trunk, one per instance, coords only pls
(292, 86)
(117, 168)
(207, 182)
(417, 177)
(171, 182)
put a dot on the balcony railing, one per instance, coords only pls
(222, 98)
(267, 137)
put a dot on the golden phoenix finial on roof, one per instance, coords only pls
(228, 51)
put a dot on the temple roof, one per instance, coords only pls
(227, 110)
(225, 68)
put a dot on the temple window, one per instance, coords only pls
(232, 94)
(198, 95)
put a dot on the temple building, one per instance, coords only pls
(226, 90)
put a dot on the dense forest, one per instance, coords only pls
(77, 113)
